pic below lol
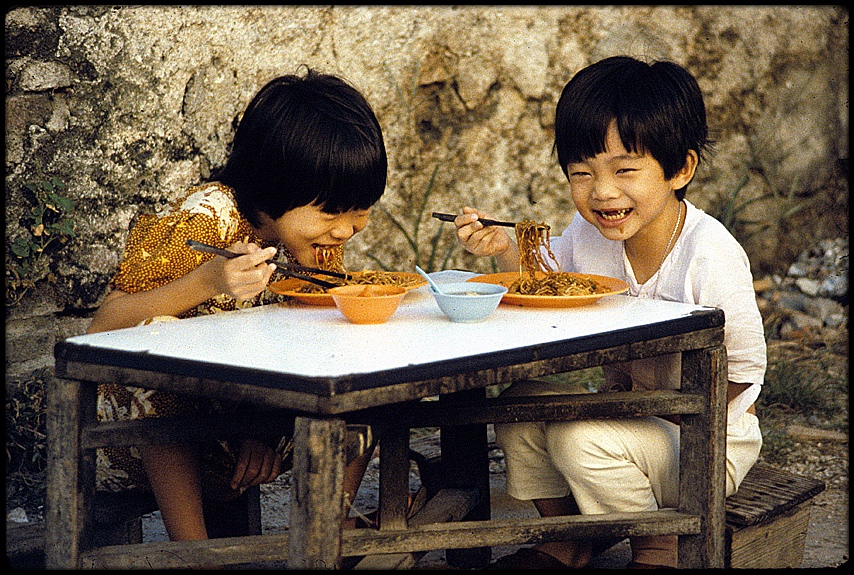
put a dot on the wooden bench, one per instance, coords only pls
(767, 520)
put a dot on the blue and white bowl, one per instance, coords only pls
(468, 302)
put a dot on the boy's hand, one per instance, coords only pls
(257, 463)
(246, 276)
(479, 239)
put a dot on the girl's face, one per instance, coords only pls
(625, 194)
(303, 229)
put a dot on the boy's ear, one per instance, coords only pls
(684, 176)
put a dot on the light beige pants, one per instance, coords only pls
(610, 465)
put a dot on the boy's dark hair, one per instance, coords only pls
(306, 140)
(658, 109)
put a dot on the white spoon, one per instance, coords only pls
(433, 285)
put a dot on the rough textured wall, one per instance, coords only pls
(127, 106)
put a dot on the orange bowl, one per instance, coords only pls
(367, 303)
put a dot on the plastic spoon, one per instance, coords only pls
(433, 285)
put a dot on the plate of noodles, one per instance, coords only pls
(533, 287)
(553, 289)
(315, 295)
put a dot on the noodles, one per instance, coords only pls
(536, 275)
(332, 259)
(553, 283)
(530, 236)
(366, 277)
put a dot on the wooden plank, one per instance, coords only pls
(676, 343)
(24, 538)
(552, 408)
(529, 530)
(269, 548)
(188, 554)
(162, 430)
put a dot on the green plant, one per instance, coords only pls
(48, 224)
(425, 260)
(430, 259)
(795, 386)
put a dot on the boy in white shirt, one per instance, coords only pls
(629, 137)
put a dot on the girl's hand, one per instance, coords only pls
(257, 463)
(479, 239)
(243, 277)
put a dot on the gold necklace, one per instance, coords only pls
(666, 251)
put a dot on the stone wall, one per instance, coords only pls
(124, 107)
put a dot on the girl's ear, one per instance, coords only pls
(684, 176)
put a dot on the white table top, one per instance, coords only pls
(317, 341)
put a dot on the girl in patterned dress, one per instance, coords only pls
(307, 165)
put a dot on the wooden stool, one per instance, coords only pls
(767, 519)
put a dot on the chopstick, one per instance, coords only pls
(484, 221)
(287, 269)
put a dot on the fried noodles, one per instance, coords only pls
(332, 259)
(553, 283)
(536, 275)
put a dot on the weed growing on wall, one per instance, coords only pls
(48, 224)
(427, 252)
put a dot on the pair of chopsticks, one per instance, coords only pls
(484, 221)
(291, 270)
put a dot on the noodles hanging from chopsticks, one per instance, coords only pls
(331, 258)
(536, 275)
(531, 236)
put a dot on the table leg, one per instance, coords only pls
(702, 487)
(394, 478)
(465, 461)
(70, 472)
(317, 506)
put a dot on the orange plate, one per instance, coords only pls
(291, 287)
(607, 286)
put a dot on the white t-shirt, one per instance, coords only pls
(706, 266)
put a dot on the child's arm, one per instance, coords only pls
(241, 278)
(486, 240)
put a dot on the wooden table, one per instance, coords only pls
(284, 360)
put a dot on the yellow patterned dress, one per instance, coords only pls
(156, 254)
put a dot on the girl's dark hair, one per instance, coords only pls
(658, 109)
(306, 140)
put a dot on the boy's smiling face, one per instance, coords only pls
(303, 229)
(625, 194)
